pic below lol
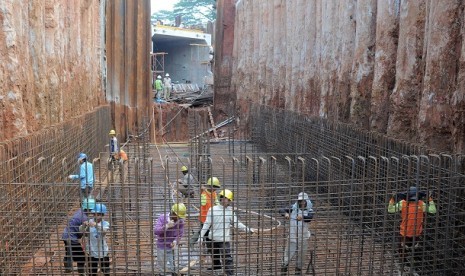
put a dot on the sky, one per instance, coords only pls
(158, 5)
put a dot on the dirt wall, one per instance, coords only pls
(51, 63)
(392, 66)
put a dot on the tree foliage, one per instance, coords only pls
(192, 12)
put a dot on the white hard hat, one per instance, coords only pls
(302, 196)
(159, 77)
(167, 75)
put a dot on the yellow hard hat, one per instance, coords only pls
(227, 194)
(184, 169)
(112, 132)
(214, 181)
(179, 209)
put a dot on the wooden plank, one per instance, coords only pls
(215, 133)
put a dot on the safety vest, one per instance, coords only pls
(412, 218)
(207, 199)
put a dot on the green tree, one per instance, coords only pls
(192, 12)
(163, 15)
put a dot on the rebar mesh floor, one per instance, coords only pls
(351, 232)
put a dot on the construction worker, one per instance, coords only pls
(169, 230)
(158, 85)
(96, 244)
(113, 146)
(218, 223)
(72, 237)
(167, 86)
(412, 209)
(300, 214)
(185, 184)
(207, 200)
(85, 176)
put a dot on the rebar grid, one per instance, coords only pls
(31, 206)
(352, 231)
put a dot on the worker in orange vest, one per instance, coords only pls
(412, 209)
(208, 199)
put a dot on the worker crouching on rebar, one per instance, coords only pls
(72, 237)
(218, 222)
(412, 209)
(85, 176)
(169, 230)
(96, 244)
(299, 214)
(186, 183)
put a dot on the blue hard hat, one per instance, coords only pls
(82, 156)
(412, 193)
(88, 204)
(100, 208)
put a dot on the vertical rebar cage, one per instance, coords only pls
(349, 175)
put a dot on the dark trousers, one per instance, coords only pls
(104, 265)
(221, 253)
(75, 253)
(408, 246)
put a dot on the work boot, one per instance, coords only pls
(283, 270)
(298, 271)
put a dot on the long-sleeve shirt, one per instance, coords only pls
(167, 82)
(165, 237)
(114, 149)
(97, 245)
(72, 231)
(219, 220)
(86, 175)
(299, 229)
(187, 180)
(207, 200)
(412, 213)
(158, 85)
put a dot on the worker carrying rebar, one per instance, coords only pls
(113, 145)
(186, 183)
(219, 220)
(158, 86)
(85, 176)
(300, 214)
(95, 232)
(166, 86)
(169, 229)
(72, 237)
(412, 209)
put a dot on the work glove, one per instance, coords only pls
(253, 231)
(169, 225)
(174, 244)
(70, 176)
(287, 216)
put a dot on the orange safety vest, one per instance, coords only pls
(123, 155)
(207, 199)
(412, 218)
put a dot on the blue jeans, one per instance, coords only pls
(165, 259)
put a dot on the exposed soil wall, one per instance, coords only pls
(392, 66)
(51, 63)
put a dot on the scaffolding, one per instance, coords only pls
(350, 176)
(158, 64)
